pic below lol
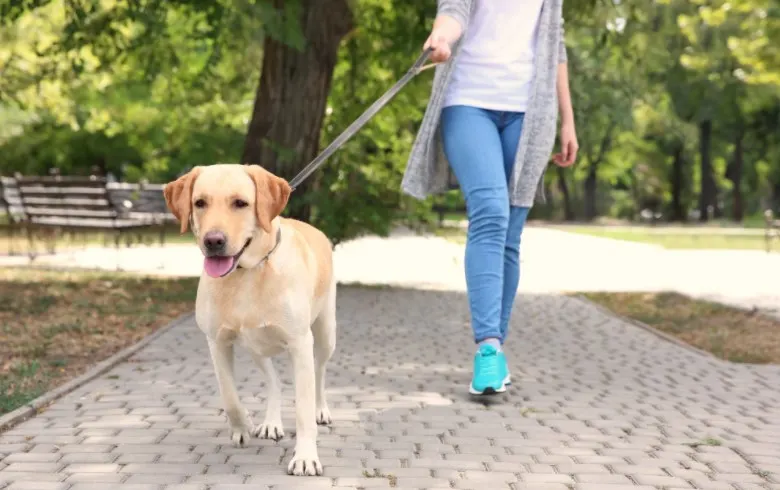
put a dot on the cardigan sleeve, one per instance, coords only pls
(562, 55)
(457, 9)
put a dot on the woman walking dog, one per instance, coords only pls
(492, 117)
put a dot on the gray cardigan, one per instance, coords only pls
(426, 172)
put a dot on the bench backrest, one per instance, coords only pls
(65, 198)
(139, 199)
(11, 200)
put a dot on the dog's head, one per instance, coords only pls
(227, 207)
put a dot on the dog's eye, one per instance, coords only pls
(240, 203)
(200, 203)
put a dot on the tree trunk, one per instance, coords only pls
(284, 131)
(775, 199)
(590, 192)
(568, 210)
(707, 194)
(678, 184)
(735, 175)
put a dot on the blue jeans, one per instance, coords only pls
(480, 146)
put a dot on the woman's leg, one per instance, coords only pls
(511, 128)
(517, 218)
(473, 148)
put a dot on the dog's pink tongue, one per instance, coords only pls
(217, 266)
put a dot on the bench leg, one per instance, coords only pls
(768, 240)
(11, 240)
(30, 242)
(117, 240)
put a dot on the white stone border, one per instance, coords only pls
(30, 409)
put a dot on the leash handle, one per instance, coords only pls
(418, 65)
(353, 128)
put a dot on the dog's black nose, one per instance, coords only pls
(214, 241)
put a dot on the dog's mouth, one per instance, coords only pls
(222, 265)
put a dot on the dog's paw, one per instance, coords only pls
(240, 436)
(323, 416)
(304, 464)
(270, 430)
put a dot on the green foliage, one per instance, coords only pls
(149, 88)
(359, 187)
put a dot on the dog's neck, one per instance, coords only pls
(275, 246)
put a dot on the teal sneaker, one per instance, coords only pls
(490, 370)
(507, 375)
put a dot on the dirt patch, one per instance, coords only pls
(728, 333)
(55, 325)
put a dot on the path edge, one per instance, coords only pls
(644, 326)
(31, 408)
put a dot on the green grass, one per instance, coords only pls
(688, 239)
(19, 244)
(55, 325)
(728, 333)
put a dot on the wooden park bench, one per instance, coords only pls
(144, 202)
(11, 211)
(56, 204)
(771, 228)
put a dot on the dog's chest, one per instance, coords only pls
(241, 309)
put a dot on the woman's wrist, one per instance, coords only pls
(448, 27)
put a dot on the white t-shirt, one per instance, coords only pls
(495, 65)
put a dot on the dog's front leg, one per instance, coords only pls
(271, 428)
(238, 418)
(306, 460)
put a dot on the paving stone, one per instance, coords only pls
(32, 467)
(155, 479)
(37, 485)
(32, 458)
(210, 479)
(118, 486)
(83, 458)
(546, 478)
(95, 478)
(165, 469)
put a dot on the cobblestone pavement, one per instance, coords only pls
(598, 404)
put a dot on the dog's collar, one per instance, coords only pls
(276, 245)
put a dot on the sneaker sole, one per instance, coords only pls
(488, 391)
(508, 380)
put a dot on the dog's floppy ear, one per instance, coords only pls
(272, 193)
(178, 196)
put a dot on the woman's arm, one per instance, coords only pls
(451, 19)
(456, 9)
(564, 95)
(446, 31)
(569, 145)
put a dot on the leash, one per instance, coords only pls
(353, 128)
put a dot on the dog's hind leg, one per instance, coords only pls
(324, 330)
(271, 427)
(241, 426)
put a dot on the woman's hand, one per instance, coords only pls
(445, 32)
(569, 146)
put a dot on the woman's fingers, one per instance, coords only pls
(439, 46)
(572, 155)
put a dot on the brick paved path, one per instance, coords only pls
(597, 404)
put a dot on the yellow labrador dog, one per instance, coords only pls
(267, 284)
